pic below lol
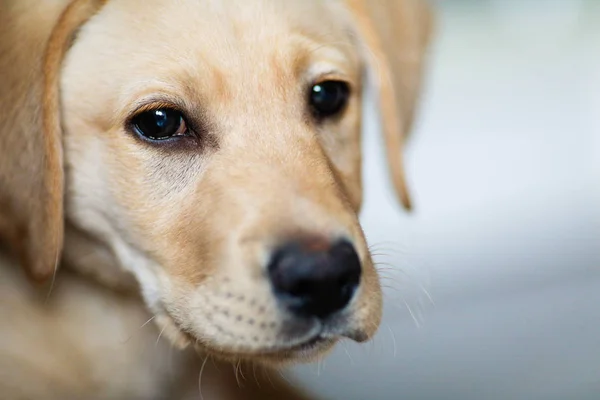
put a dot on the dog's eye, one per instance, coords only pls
(328, 98)
(160, 124)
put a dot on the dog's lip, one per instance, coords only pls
(309, 344)
(323, 337)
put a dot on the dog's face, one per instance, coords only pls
(212, 149)
(216, 152)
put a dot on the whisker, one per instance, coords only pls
(397, 247)
(266, 373)
(345, 347)
(255, 377)
(390, 272)
(319, 366)
(387, 242)
(390, 266)
(368, 346)
(395, 289)
(212, 359)
(379, 254)
(147, 322)
(282, 375)
(200, 378)
(138, 329)
(386, 268)
(372, 347)
(427, 294)
(390, 278)
(235, 373)
(52, 282)
(241, 368)
(395, 283)
(159, 335)
(393, 339)
(412, 314)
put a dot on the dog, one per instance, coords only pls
(190, 170)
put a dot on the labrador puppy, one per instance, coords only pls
(187, 173)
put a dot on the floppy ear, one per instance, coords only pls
(395, 34)
(31, 176)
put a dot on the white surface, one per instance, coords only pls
(505, 172)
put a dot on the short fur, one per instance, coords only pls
(178, 235)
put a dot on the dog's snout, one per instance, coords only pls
(315, 278)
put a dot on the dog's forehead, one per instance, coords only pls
(221, 27)
(208, 46)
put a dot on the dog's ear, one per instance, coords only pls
(32, 184)
(394, 35)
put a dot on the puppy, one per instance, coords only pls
(197, 160)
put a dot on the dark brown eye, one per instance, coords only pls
(160, 124)
(328, 98)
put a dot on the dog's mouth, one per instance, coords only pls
(306, 347)
(282, 355)
(309, 344)
(263, 334)
(289, 349)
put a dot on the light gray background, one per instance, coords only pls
(505, 171)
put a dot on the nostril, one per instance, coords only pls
(315, 280)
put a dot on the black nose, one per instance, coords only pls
(313, 278)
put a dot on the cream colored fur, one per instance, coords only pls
(164, 246)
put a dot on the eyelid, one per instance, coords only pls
(332, 75)
(155, 106)
(152, 104)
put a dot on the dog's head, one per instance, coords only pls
(212, 149)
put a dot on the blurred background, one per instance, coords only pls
(493, 282)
